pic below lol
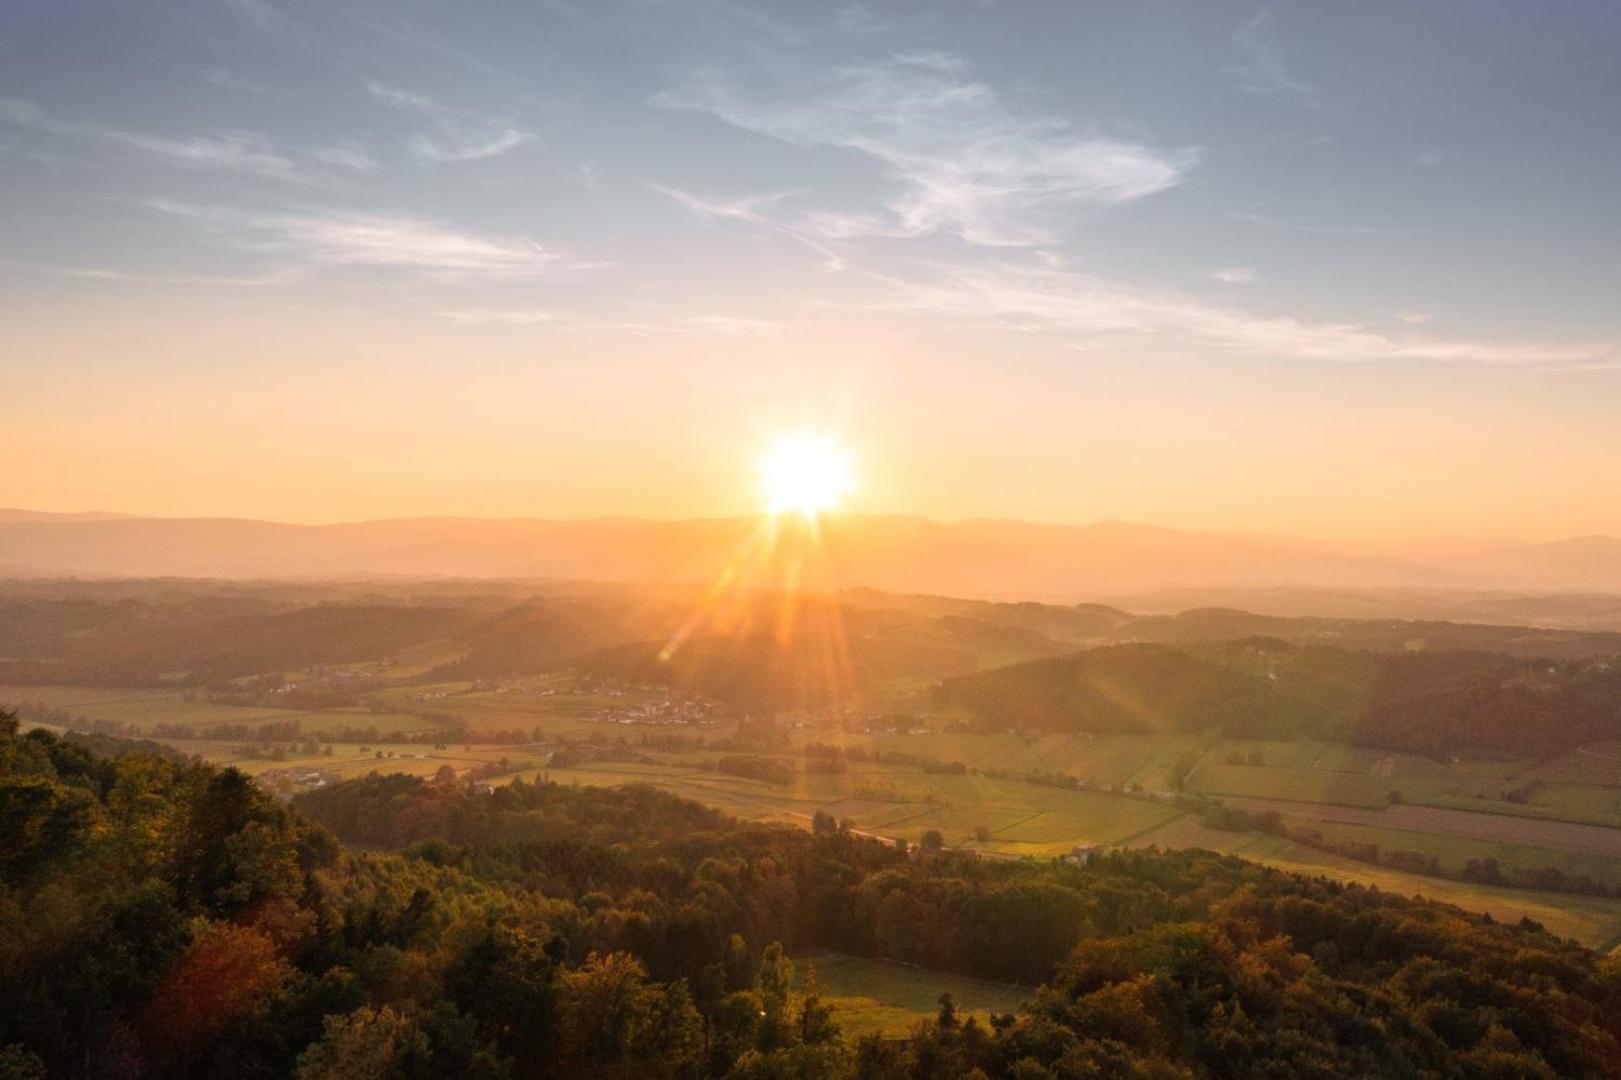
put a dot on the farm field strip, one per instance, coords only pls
(1573, 837)
(1572, 803)
(1044, 821)
(1453, 853)
(145, 710)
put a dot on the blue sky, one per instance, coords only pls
(1353, 205)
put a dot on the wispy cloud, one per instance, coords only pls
(964, 163)
(452, 134)
(340, 239)
(230, 151)
(755, 210)
(1078, 303)
(692, 324)
(98, 273)
(259, 12)
(1320, 228)
(235, 151)
(1413, 318)
(1262, 72)
(856, 19)
(346, 155)
(222, 76)
(499, 317)
(1234, 275)
(724, 325)
(731, 324)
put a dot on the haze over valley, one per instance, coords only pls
(997, 559)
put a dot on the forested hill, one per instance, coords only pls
(1426, 702)
(769, 650)
(160, 918)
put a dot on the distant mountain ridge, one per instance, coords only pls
(14, 514)
(903, 554)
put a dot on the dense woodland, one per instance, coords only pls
(1426, 702)
(165, 918)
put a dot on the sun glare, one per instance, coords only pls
(806, 473)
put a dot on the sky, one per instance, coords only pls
(1336, 270)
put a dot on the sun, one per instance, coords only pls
(806, 473)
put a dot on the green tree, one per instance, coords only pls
(614, 1024)
(774, 983)
(367, 1044)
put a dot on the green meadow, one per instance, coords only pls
(876, 997)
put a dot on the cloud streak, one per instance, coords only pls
(233, 151)
(452, 134)
(1262, 72)
(963, 163)
(1078, 303)
(499, 317)
(335, 239)
(98, 273)
(221, 151)
(754, 209)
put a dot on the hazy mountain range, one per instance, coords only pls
(971, 558)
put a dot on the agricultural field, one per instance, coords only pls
(877, 997)
(1018, 818)
(1453, 853)
(1455, 825)
(146, 710)
(1596, 763)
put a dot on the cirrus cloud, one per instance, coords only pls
(1078, 303)
(963, 162)
(452, 134)
(344, 239)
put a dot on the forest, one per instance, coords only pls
(163, 917)
(1425, 702)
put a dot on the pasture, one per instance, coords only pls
(146, 710)
(1018, 818)
(877, 997)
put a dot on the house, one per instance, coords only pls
(1081, 854)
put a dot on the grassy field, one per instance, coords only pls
(1115, 759)
(1447, 826)
(559, 713)
(1454, 852)
(1598, 763)
(876, 997)
(890, 801)
(146, 709)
